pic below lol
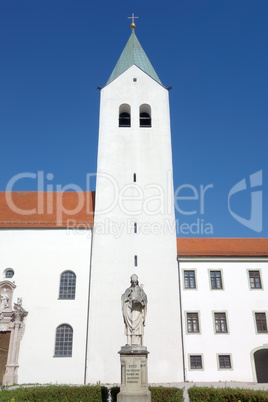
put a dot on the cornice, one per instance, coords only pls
(222, 259)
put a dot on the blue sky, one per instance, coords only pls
(214, 54)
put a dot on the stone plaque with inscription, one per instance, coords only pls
(133, 373)
(134, 377)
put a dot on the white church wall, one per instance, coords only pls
(38, 257)
(239, 302)
(146, 152)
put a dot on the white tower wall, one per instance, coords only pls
(146, 152)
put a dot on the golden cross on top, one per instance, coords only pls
(133, 19)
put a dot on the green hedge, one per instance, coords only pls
(56, 393)
(167, 394)
(199, 394)
(159, 394)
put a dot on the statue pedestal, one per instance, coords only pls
(134, 374)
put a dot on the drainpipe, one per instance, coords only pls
(88, 305)
(182, 336)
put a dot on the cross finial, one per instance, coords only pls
(133, 25)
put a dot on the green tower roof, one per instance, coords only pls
(133, 54)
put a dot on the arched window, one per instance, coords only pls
(64, 341)
(145, 116)
(67, 285)
(124, 116)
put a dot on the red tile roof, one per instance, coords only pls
(32, 209)
(189, 247)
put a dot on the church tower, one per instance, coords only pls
(134, 224)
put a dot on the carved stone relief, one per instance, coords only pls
(6, 295)
(11, 320)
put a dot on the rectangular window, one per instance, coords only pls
(261, 322)
(255, 279)
(192, 322)
(134, 177)
(225, 362)
(135, 227)
(135, 261)
(189, 280)
(220, 322)
(215, 277)
(196, 362)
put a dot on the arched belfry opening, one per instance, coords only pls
(261, 365)
(124, 115)
(145, 116)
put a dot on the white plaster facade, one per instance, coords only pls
(239, 302)
(38, 257)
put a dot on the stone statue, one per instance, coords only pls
(4, 299)
(134, 306)
(19, 301)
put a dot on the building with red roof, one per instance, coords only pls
(67, 257)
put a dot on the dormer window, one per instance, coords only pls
(124, 116)
(145, 116)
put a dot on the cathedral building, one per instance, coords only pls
(67, 257)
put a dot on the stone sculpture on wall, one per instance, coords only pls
(12, 321)
(4, 299)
